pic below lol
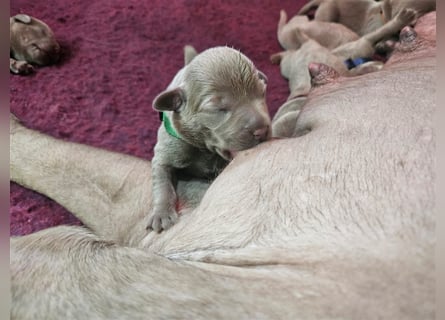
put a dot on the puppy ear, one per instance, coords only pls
(189, 54)
(169, 100)
(24, 18)
(276, 57)
(262, 77)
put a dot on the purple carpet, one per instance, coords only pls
(117, 56)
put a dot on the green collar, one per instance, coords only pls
(168, 126)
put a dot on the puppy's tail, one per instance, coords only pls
(282, 21)
(189, 54)
(308, 6)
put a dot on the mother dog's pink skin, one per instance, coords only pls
(335, 224)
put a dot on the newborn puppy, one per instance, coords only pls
(329, 34)
(365, 46)
(214, 107)
(392, 7)
(361, 16)
(294, 64)
(31, 42)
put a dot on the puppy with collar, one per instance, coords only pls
(32, 42)
(294, 64)
(214, 107)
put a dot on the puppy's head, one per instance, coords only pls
(32, 40)
(221, 103)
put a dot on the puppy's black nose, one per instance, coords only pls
(261, 134)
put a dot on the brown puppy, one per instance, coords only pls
(31, 42)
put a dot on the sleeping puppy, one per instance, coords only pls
(329, 34)
(366, 45)
(31, 43)
(214, 107)
(294, 64)
(361, 16)
(392, 7)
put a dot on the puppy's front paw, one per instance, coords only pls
(162, 220)
(407, 16)
(20, 67)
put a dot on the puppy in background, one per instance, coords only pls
(392, 7)
(32, 42)
(214, 107)
(361, 16)
(329, 34)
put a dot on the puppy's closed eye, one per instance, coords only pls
(223, 109)
(215, 109)
(262, 77)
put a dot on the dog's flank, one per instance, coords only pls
(214, 107)
(32, 42)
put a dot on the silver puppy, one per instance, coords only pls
(361, 16)
(32, 42)
(294, 63)
(214, 107)
(329, 34)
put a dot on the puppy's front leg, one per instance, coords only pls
(164, 198)
(364, 47)
(392, 27)
(20, 66)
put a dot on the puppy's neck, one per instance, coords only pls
(168, 126)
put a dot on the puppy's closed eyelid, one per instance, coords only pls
(223, 109)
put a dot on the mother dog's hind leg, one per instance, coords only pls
(107, 191)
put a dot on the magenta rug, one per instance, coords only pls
(117, 56)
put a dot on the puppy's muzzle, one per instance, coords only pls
(262, 134)
(48, 54)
